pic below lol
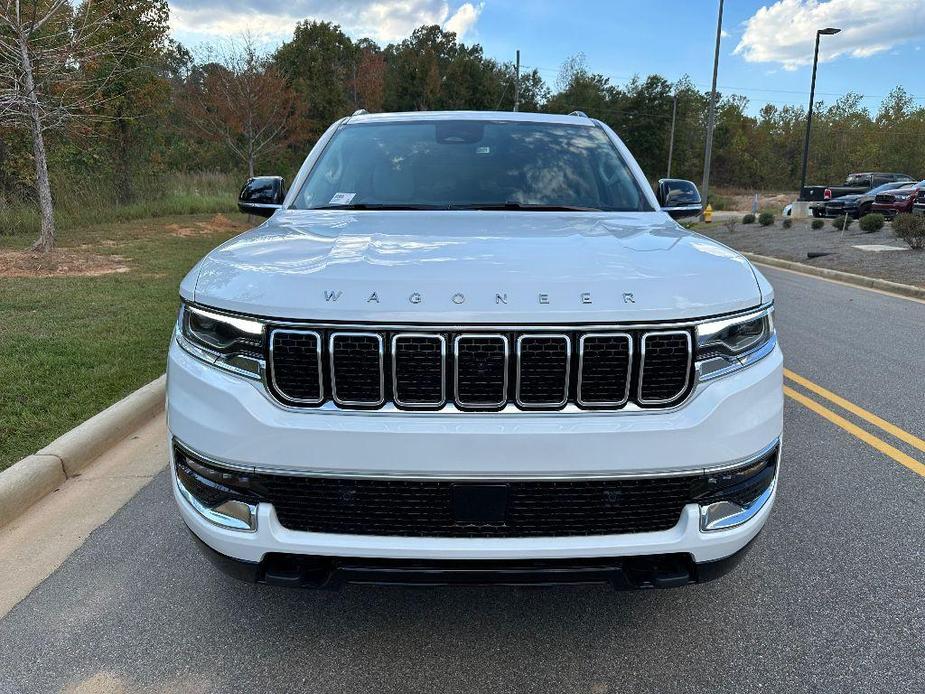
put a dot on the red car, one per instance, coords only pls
(898, 201)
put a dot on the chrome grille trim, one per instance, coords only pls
(642, 367)
(318, 344)
(568, 367)
(629, 375)
(507, 354)
(418, 405)
(357, 403)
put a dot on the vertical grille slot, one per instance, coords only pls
(295, 365)
(357, 375)
(604, 369)
(481, 376)
(419, 370)
(543, 363)
(664, 370)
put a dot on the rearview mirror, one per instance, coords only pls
(262, 195)
(680, 199)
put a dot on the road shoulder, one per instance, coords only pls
(36, 543)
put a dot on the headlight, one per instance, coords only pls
(732, 343)
(229, 342)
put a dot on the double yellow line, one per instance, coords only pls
(852, 428)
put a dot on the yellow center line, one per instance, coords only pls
(857, 431)
(892, 429)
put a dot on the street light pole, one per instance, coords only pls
(830, 31)
(711, 117)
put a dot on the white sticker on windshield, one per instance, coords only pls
(483, 150)
(342, 198)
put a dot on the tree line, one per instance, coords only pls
(101, 91)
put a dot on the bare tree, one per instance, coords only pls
(44, 45)
(241, 100)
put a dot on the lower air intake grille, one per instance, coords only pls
(666, 365)
(425, 508)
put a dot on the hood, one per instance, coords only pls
(846, 198)
(474, 267)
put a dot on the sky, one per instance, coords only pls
(766, 50)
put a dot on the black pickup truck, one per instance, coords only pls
(855, 183)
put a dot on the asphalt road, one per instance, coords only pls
(831, 599)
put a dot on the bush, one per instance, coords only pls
(818, 224)
(842, 223)
(787, 223)
(748, 219)
(872, 222)
(911, 229)
(766, 219)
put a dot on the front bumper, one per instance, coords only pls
(232, 419)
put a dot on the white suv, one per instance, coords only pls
(471, 347)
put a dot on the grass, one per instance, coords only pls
(71, 346)
(79, 205)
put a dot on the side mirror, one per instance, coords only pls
(680, 199)
(262, 195)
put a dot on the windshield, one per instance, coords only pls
(469, 164)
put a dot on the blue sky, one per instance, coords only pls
(765, 54)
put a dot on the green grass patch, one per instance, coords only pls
(71, 346)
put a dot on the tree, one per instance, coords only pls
(241, 100)
(45, 46)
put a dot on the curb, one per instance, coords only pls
(907, 290)
(27, 481)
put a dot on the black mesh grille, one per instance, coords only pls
(666, 366)
(357, 368)
(605, 372)
(425, 508)
(544, 367)
(420, 369)
(884, 197)
(419, 377)
(481, 370)
(295, 365)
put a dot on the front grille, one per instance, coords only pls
(426, 508)
(666, 361)
(488, 371)
(884, 198)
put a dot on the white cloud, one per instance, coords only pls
(270, 20)
(785, 31)
(464, 19)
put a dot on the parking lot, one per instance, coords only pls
(830, 599)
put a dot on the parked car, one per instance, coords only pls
(919, 206)
(474, 347)
(857, 205)
(855, 183)
(897, 201)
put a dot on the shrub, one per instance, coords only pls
(842, 223)
(818, 224)
(911, 229)
(748, 219)
(766, 219)
(787, 223)
(731, 225)
(871, 222)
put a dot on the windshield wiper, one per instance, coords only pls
(512, 205)
(379, 206)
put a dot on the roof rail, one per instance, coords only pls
(360, 112)
(579, 114)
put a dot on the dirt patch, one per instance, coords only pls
(60, 262)
(217, 224)
(743, 201)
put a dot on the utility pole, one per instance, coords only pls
(711, 116)
(517, 82)
(830, 31)
(674, 116)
